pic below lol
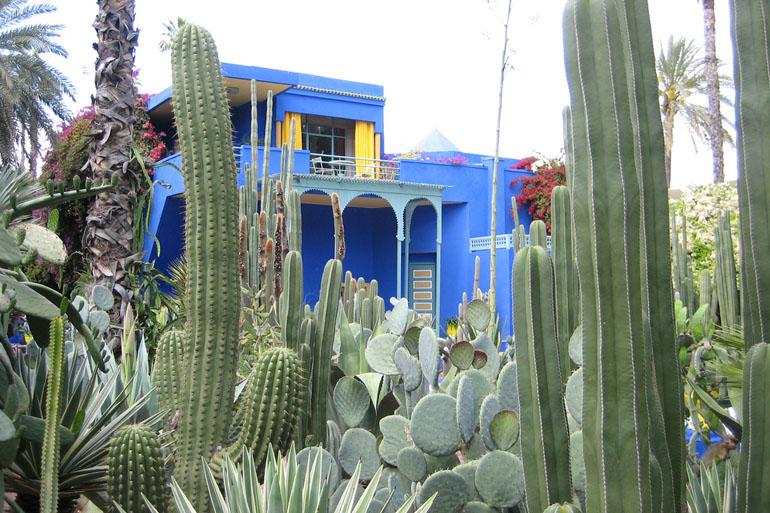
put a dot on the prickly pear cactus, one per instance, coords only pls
(135, 468)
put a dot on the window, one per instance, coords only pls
(325, 135)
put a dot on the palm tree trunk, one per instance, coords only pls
(715, 129)
(495, 172)
(668, 139)
(108, 238)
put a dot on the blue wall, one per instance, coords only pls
(317, 247)
(325, 104)
(370, 243)
(241, 117)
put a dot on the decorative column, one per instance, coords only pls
(437, 300)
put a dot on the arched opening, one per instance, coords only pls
(421, 258)
(370, 240)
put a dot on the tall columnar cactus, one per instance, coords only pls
(753, 492)
(326, 324)
(203, 123)
(135, 469)
(725, 275)
(565, 273)
(751, 44)
(631, 382)
(276, 393)
(544, 431)
(49, 473)
(569, 143)
(538, 234)
(291, 305)
(169, 370)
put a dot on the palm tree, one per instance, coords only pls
(714, 131)
(170, 30)
(681, 82)
(32, 92)
(109, 227)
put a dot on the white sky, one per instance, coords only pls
(437, 59)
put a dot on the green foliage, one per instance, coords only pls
(67, 161)
(702, 205)
(713, 489)
(136, 469)
(33, 93)
(289, 486)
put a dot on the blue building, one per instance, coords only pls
(415, 225)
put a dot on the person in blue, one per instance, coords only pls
(19, 335)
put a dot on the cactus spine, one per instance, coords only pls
(211, 232)
(565, 273)
(631, 382)
(168, 370)
(544, 431)
(724, 275)
(49, 474)
(275, 395)
(135, 469)
(753, 492)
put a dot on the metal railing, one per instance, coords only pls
(504, 241)
(354, 167)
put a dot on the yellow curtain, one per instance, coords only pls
(286, 128)
(378, 153)
(364, 140)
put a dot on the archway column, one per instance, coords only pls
(402, 198)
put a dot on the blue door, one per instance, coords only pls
(422, 289)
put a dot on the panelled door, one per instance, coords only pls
(422, 288)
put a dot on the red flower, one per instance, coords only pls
(536, 192)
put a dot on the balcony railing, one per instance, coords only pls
(504, 241)
(354, 167)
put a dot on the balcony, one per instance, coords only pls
(354, 167)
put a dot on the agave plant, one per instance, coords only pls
(713, 491)
(287, 486)
(94, 406)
